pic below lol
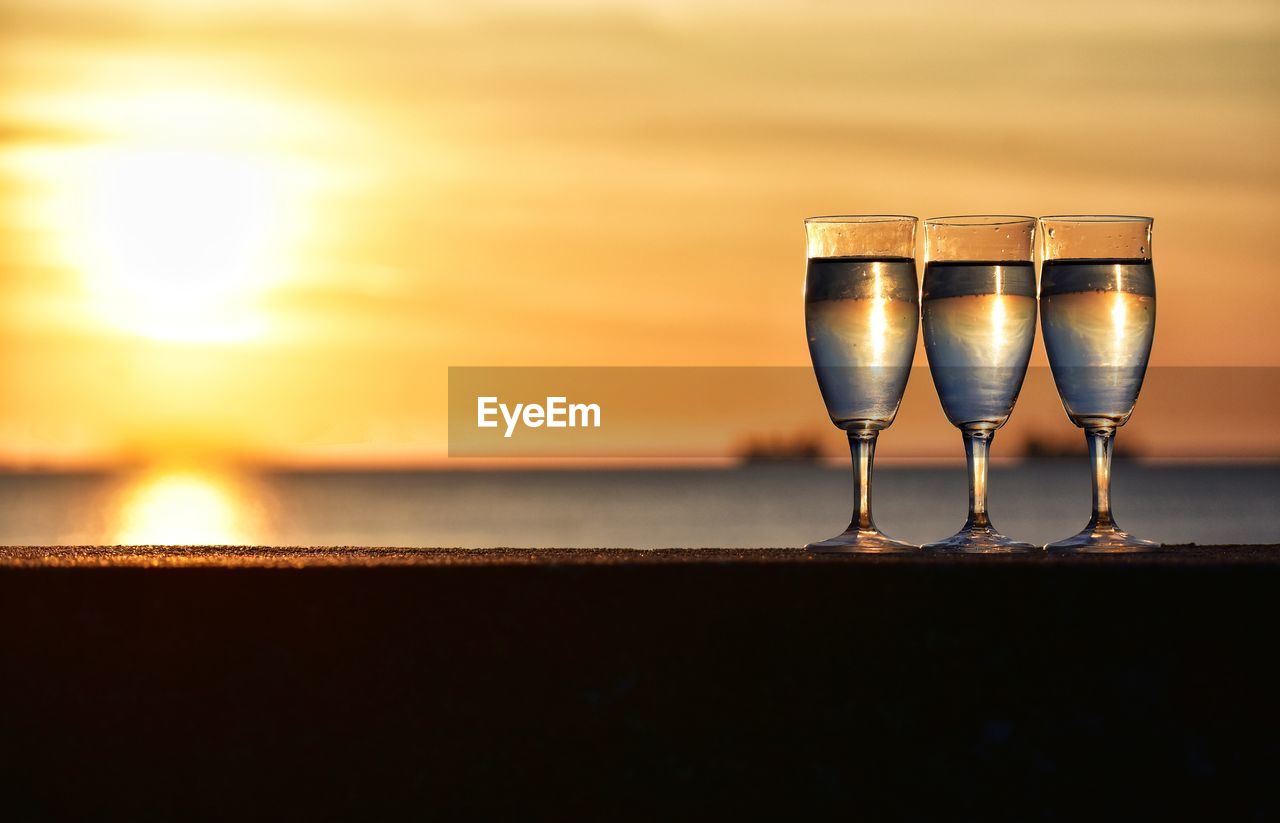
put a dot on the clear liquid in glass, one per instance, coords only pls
(861, 318)
(1099, 318)
(979, 325)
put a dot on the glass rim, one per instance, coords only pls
(1097, 218)
(861, 218)
(980, 220)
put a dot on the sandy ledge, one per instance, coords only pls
(12, 557)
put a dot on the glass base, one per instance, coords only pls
(861, 541)
(980, 540)
(1103, 540)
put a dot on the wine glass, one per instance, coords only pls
(861, 313)
(979, 308)
(1098, 314)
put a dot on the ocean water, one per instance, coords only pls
(747, 507)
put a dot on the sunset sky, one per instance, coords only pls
(264, 230)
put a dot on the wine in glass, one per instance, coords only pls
(979, 308)
(861, 311)
(1098, 313)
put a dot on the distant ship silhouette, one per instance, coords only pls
(1038, 447)
(764, 450)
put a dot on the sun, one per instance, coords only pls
(180, 244)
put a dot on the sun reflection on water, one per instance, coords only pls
(185, 507)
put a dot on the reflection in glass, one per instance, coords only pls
(1098, 304)
(861, 318)
(979, 310)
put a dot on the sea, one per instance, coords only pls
(747, 506)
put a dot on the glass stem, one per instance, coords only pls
(977, 446)
(862, 445)
(1100, 439)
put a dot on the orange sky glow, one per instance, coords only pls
(262, 231)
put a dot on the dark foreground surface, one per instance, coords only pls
(352, 683)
